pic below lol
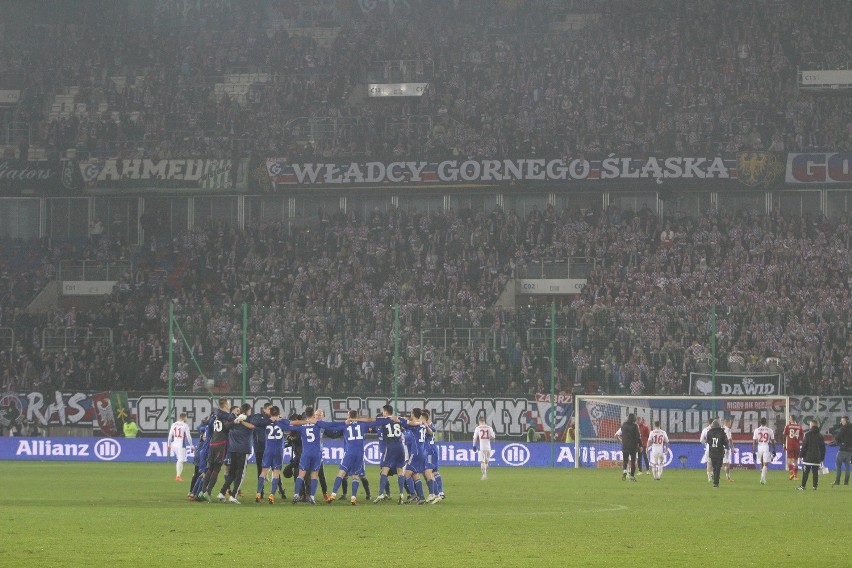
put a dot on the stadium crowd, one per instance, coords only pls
(321, 303)
(506, 78)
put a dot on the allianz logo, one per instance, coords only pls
(105, 449)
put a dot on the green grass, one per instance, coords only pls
(103, 514)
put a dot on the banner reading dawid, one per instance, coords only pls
(736, 384)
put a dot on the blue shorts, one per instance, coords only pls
(353, 464)
(310, 462)
(417, 464)
(432, 460)
(394, 456)
(272, 460)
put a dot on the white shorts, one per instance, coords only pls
(658, 457)
(707, 454)
(763, 456)
(179, 452)
(485, 455)
(726, 459)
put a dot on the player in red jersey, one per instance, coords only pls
(644, 432)
(793, 434)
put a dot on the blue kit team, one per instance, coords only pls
(407, 447)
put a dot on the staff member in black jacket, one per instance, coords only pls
(813, 454)
(843, 440)
(630, 444)
(717, 443)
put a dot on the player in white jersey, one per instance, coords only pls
(703, 439)
(658, 445)
(179, 440)
(727, 460)
(763, 447)
(482, 435)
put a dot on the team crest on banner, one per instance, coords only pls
(104, 413)
(11, 410)
(90, 170)
(605, 418)
(758, 169)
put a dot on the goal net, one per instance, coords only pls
(597, 418)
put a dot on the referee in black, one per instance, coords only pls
(630, 444)
(717, 443)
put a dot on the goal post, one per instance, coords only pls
(597, 418)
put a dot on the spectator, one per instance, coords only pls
(131, 429)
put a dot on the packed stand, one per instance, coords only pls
(505, 79)
(321, 317)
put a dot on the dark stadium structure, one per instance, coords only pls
(671, 181)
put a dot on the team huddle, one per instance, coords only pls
(639, 441)
(406, 445)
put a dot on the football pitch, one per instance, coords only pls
(108, 514)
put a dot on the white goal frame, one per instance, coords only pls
(638, 403)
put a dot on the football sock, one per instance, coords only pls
(314, 483)
(400, 479)
(261, 479)
(300, 483)
(439, 483)
(355, 487)
(345, 485)
(418, 488)
(384, 484)
(430, 483)
(763, 473)
(336, 486)
(275, 481)
(365, 483)
(321, 480)
(211, 483)
(409, 485)
(179, 466)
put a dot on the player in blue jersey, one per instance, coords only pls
(200, 461)
(261, 421)
(353, 455)
(219, 425)
(319, 415)
(394, 454)
(433, 476)
(417, 431)
(311, 455)
(273, 456)
(408, 439)
(239, 445)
